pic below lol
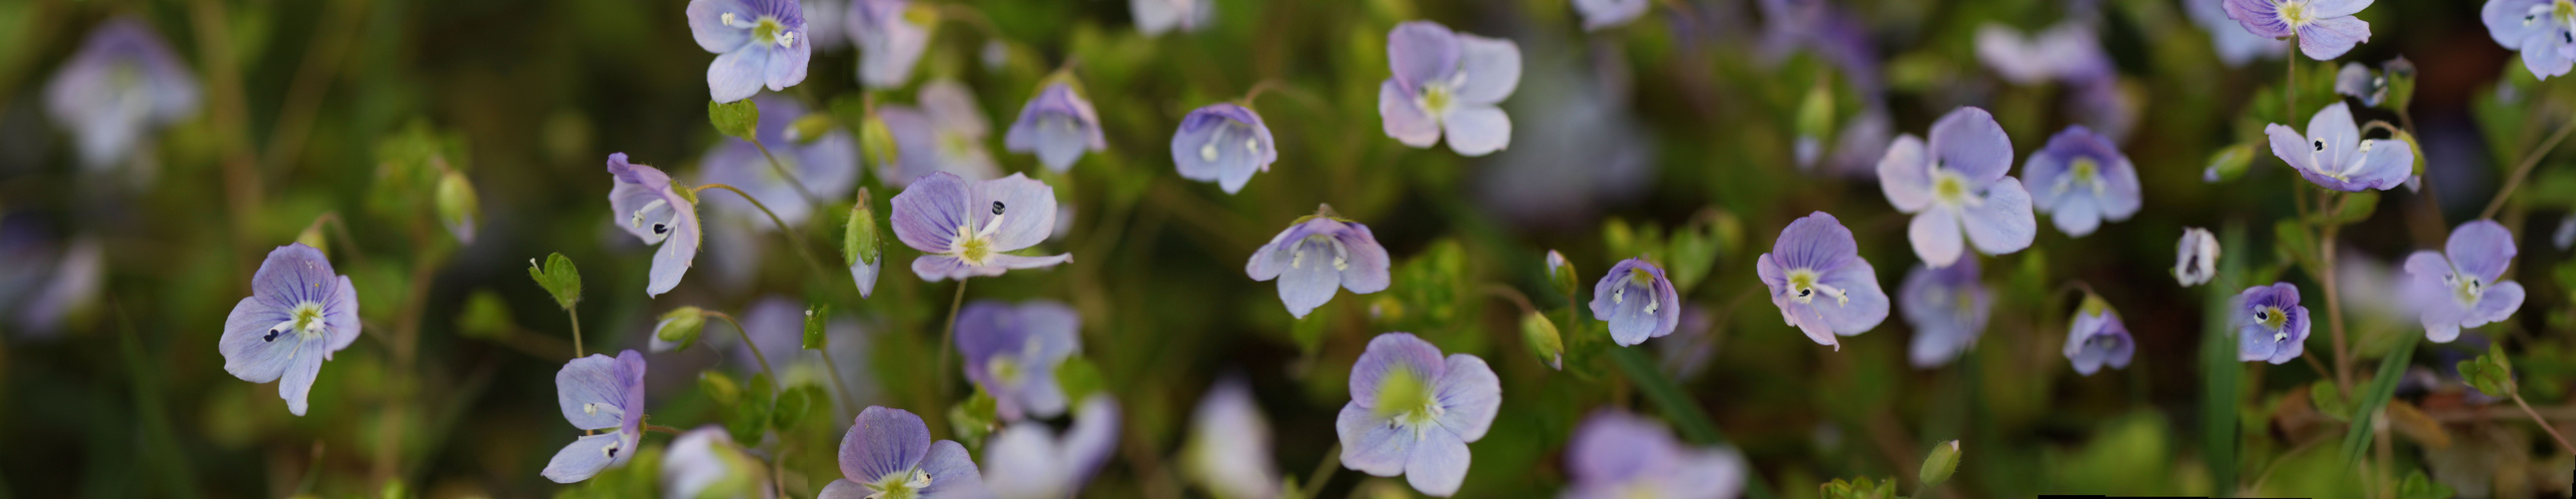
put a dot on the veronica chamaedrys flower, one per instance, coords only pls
(2325, 28)
(599, 393)
(945, 134)
(1819, 281)
(1448, 82)
(2270, 325)
(656, 211)
(705, 463)
(2544, 30)
(1618, 455)
(2097, 338)
(891, 37)
(2195, 257)
(889, 454)
(2235, 46)
(1957, 183)
(2360, 82)
(75, 283)
(1223, 143)
(758, 42)
(1154, 17)
(1948, 308)
(1637, 301)
(1029, 461)
(123, 83)
(298, 313)
(1059, 125)
(2458, 286)
(968, 229)
(2081, 179)
(1229, 446)
(1012, 351)
(1600, 14)
(1315, 257)
(2066, 52)
(1413, 412)
(2334, 156)
(827, 165)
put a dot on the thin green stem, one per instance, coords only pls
(2544, 423)
(1323, 472)
(947, 342)
(774, 380)
(837, 385)
(572, 311)
(2290, 91)
(792, 237)
(781, 169)
(2524, 170)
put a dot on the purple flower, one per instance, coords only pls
(123, 83)
(1028, 461)
(1616, 454)
(2543, 30)
(2325, 28)
(2235, 45)
(1229, 446)
(827, 165)
(1448, 80)
(1948, 308)
(891, 37)
(826, 23)
(968, 229)
(599, 393)
(1012, 352)
(2360, 82)
(1816, 257)
(2334, 156)
(1599, 14)
(945, 134)
(2270, 325)
(2066, 52)
(1413, 412)
(1316, 256)
(2195, 257)
(2081, 180)
(1956, 182)
(1637, 301)
(295, 298)
(1058, 125)
(888, 453)
(2458, 287)
(2097, 337)
(704, 458)
(759, 42)
(75, 281)
(657, 212)
(1223, 143)
(1154, 17)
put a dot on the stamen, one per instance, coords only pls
(2278, 336)
(1208, 152)
(590, 408)
(1619, 296)
(611, 449)
(787, 39)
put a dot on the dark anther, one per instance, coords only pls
(997, 207)
(612, 453)
(272, 335)
(1803, 293)
(2262, 316)
(2321, 145)
(661, 229)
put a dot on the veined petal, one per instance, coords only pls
(1488, 69)
(1025, 206)
(1469, 395)
(677, 254)
(738, 74)
(1868, 303)
(1816, 241)
(1969, 141)
(1375, 446)
(2496, 304)
(2260, 17)
(884, 442)
(2542, 55)
(2293, 148)
(587, 456)
(2323, 9)
(1369, 264)
(2003, 224)
(1438, 464)
(952, 473)
(786, 66)
(928, 213)
(2480, 248)
(2510, 22)
(2328, 38)
(706, 25)
(935, 268)
(592, 392)
(1309, 285)
(1388, 352)
(2334, 126)
(248, 351)
(1406, 122)
(1422, 52)
(1903, 176)
(1477, 130)
(301, 370)
(1936, 237)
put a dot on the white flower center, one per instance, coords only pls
(305, 320)
(2296, 13)
(1949, 188)
(974, 245)
(1804, 284)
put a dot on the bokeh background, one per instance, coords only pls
(1678, 136)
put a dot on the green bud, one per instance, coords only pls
(2401, 86)
(2093, 304)
(559, 278)
(2228, 163)
(1816, 111)
(876, 143)
(1561, 276)
(738, 119)
(312, 236)
(809, 128)
(679, 328)
(1938, 466)
(815, 317)
(719, 387)
(458, 208)
(2413, 147)
(1543, 340)
(861, 241)
(972, 418)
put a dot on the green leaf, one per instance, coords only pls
(559, 278)
(1078, 378)
(2356, 207)
(484, 316)
(795, 404)
(750, 418)
(719, 387)
(1692, 250)
(2418, 486)
(816, 316)
(1938, 466)
(2382, 386)
(2491, 374)
(1540, 334)
(739, 119)
(2220, 371)
(973, 418)
(2329, 400)
(2292, 243)
(2401, 86)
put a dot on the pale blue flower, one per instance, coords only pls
(1957, 184)
(945, 134)
(2067, 52)
(1618, 455)
(2097, 337)
(969, 229)
(2333, 155)
(1028, 460)
(1448, 82)
(1600, 14)
(2459, 287)
(2235, 46)
(1012, 352)
(1816, 257)
(703, 458)
(2270, 325)
(1155, 17)
(1637, 301)
(2195, 257)
(122, 84)
(76, 280)
(1223, 143)
(2081, 179)
(758, 42)
(1229, 446)
(2325, 28)
(655, 211)
(1316, 257)
(298, 313)
(827, 165)
(1059, 125)
(1413, 413)
(888, 453)
(1948, 308)
(891, 38)
(2543, 30)
(599, 393)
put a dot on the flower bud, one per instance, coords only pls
(458, 208)
(862, 244)
(679, 328)
(1541, 336)
(1561, 276)
(1938, 466)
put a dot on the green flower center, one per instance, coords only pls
(2085, 170)
(2565, 10)
(975, 245)
(1004, 370)
(767, 29)
(2296, 13)
(902, 485)
(2271, 317)
(1406, 395)
(1948, 187)
(1436, 98)
(1805, 284)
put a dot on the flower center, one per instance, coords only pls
(2271, 317)
(1644, 283)
(1805, 284)
(906, 484)
(1406, 396)
(1341, 253)
(1950, 188)
(305, 320)
(2564, 10)
(955, 144)
(1005, 371)
(2296, 13)
(2466, 289)
(768, 29)
(975, 246)
(1436, 98)
(657, 213)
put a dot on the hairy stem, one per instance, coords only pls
(576, 329)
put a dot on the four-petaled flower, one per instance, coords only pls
(1620, 455)
(1819, 281)
(599, 393)
(891, 37)
(1229, 447)
(1012, 352)
(2097, 337)
(945, 134)
(1315, 257)
(1448, 80)
(2334, 156)
(2458, 287)
(826, 164)
(888, 454)
(1638, 302)
(1058, 125)
(123, 82)
(1413, 412)
(2270, 325)
(1600, 14)
(649, 206)
(2066, 52)
(1957, 182)
(2081, 179)
(1223, 143)
(759, 42)
(2325, 28)
(1948, 308)
(297, 314)
(1029, 461)
(2195, 257)
(1154, 17)
(2235, 46)
(967, 229)
(2544, 30)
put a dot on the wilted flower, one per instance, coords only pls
(2235, 45)
(1413, 412)
(1619, 455)
(1316, 256)
(2458, 286)
(294, 297)
(1153, 17)
(891, 37)
(1598, 14)
(1957, 182)
(1816, 257)
(705, 463)
(888, 454)
(1028, 461)
(2195, 257)
(2097, 338)
(1637, 301)
(968, 229)
(123, 83)
(1448, 80)
(2270, 325)
(2325, 28)
(1229, 447)
(945, 134)
(827, 165)
(2082, 179)
(1058, 125)
(1948, 308)
(1223, 143)
(2544, 30)
(599, 393)
(2066, 52)
(759, 42)
(1012, 352)
(657, 212)
(2334, 156)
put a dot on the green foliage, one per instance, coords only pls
(2230, 162)
(2292, 242)
(1938, 466)
(1429, 286)
(409, 166)
(971, 419)
(2400, 75)
(559, 278)
(1562, 278)
(1539, 332)
(1696, 247)
(799, 404)
(2374, 396)
(719, 387)
(748, 417)
(738, 119)
(2491, 374)
(2354, 207)
(641, 477)
(1079, 378)
(1858, 488)
(2418, 486)
(816, 317)
(484, 316)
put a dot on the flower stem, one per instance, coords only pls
(792, 237)
(2290, 91)
(2334, 298)
(2524, 170)
(781, 169)
(648, 427)
(1323, 472)
(947, 341)
(569, 311)
(837, 385)
(774, 380)
(2544, 423)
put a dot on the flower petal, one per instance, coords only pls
(787, 65)
(1817, 241)
(2510, 22)
(591, 392)
(845, 489)
(1375, 446)
(1026, 208)
(2541, 52)
(2323, 9)
(1903, 176)
(706, 24)
(2328, 38)
(1868, 303)
(2003, 224)
(1477, 130)
(2259, 17)
(2293, 148)
(884, 442)
(1422, 52)
(928, 214)
(1310, 283)
(1438, 464)
(301, 370)
(1969, 141)
(2481, 248)
(1368, 262)
(2334, 126)
(1403, 120)
(2496, 304)
(1388, 352)
(1936, 237)
(677, 254)
(248, 351)
(1469, 395)
(586, 456)
(738, 74)
(1488, 70)
(952, 473)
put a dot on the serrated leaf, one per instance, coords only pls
(559, 278)
(738, 119)
(815, 319)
